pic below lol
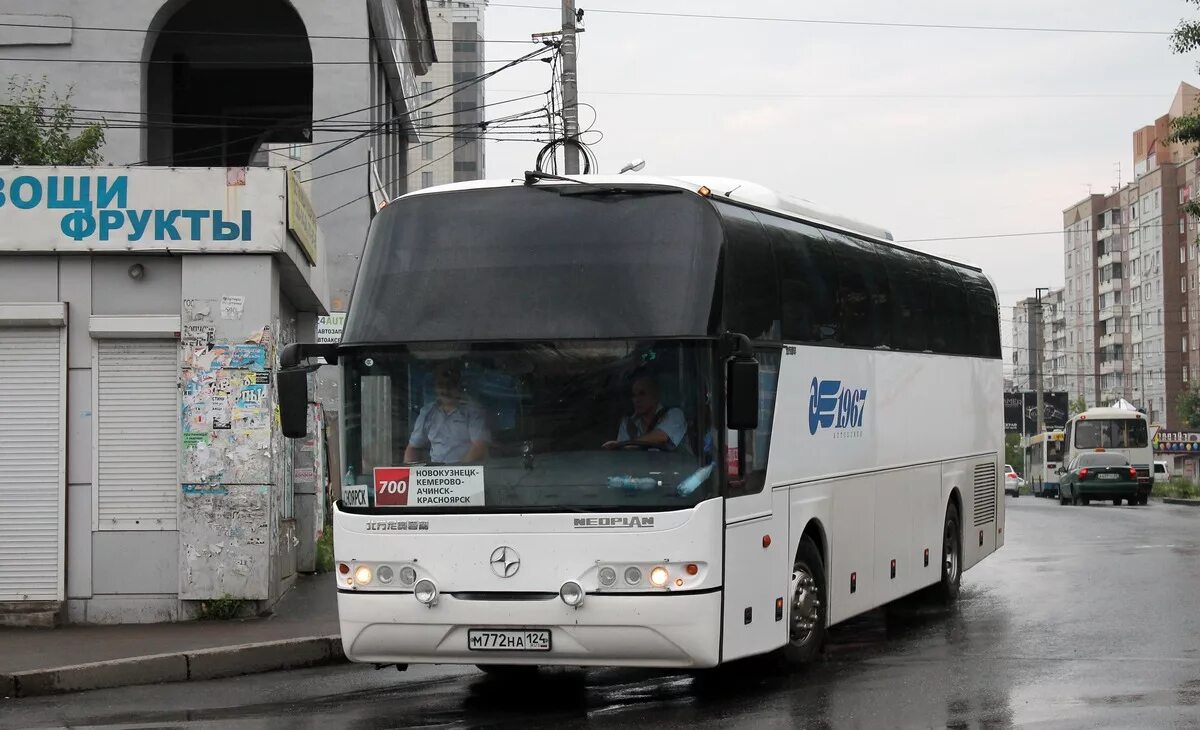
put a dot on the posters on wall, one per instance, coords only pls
(1020, 411)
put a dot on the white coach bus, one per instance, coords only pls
(649, 422)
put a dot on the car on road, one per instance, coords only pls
(1101, 475)
(1012, 481)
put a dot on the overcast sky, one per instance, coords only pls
(937, 133)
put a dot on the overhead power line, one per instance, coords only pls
(831, 96)
(860, 23)
(222, 63)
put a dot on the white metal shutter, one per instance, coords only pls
(32, 468)
(137, 424)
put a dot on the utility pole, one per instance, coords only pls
(570, 86)
(1041, 351)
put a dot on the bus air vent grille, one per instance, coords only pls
(985, 494)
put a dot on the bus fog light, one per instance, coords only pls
(571, 594)
(633, 576)
(384, 574)
(362, 575)
(607, 576)
(659, 576)
(426, 592)
(408, 575)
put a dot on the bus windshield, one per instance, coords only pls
(1118, 433)
(1055, 450)
(558, 425)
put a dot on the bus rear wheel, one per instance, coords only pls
(947, 589)
(806, 612)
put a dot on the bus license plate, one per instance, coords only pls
(1110, 476)
(509, 640)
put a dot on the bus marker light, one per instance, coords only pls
(679, 582)
(893, 569)
(926, 557)
(692, 569)
(426, 592)
(981, 538)
(853, 582)
(362, 575)
(766, 541)
(704, 191)
(343, 568)
(778, 609)
(408, 575)
(607, 576)
(571, 594)
(633, 576)
(659, 576)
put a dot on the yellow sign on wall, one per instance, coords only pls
(302, 218)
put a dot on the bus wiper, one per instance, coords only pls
(579, 187)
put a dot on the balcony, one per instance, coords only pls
(1108, 367)
(1105, 232)
(1110, 312)
(1113, 338)
(1106, 258)
(1107, 287)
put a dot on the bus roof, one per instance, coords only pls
(723, 188)
(1051, 435)
(1109, 413)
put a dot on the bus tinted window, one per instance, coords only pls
(1122, 433)
(983, 330)
(804, 264)
(910, 308)
(948, 304)
(751, 287)
(861, 293)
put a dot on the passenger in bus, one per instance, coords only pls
(452, 429)
(652, 424)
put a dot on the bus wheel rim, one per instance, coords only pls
(951, 553)
(806, 605)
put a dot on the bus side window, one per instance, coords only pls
(862, 294)
(751, 300)
(1067, 442)
(758, 441)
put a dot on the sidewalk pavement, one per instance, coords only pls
(1176, 500)
(302, 631)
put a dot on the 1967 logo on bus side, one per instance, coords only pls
(832, 406)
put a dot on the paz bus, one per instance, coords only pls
(1043, 455)
(658, 422)
(1113, 429)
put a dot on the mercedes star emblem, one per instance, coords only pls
(505, 561)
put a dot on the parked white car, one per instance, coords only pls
(1012, 482)
(1162, 473)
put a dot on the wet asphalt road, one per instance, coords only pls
(1088, 617)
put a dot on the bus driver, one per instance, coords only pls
(451, 429)
(651, 424)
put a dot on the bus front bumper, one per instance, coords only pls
(659, 630)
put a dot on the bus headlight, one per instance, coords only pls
(426, 592)
(633, 575)
(362, 575)
(408, 575)
(571, 594)
(659, 576)
(607, 576)
(385, 574)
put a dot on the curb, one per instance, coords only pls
(1176, 500)
(226, 661)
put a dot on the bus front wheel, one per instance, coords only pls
(806, 612)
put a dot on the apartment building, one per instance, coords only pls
(449, 149)
(1129, 305)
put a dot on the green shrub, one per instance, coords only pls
(1177, 487)
(325, 551)
(220, 609)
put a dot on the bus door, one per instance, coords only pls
(757, 563)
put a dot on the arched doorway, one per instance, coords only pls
(225, 78)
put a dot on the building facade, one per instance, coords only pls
(205, 109)
(142, 469)
(1130, 300)
(450, 149)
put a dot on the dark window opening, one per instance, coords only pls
(216, 100)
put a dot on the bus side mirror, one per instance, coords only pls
(293, 402)
(741, 392)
